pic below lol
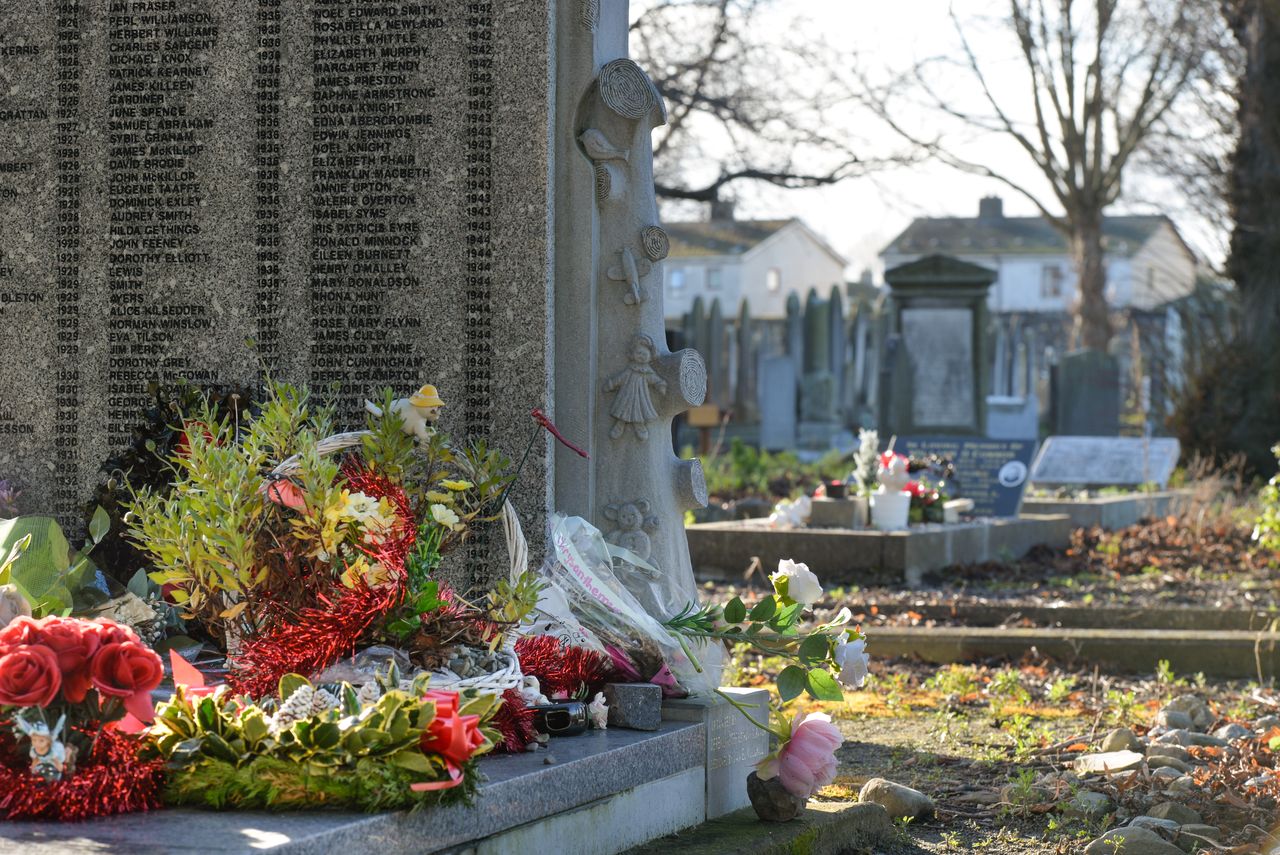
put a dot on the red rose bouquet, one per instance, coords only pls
(63, 681)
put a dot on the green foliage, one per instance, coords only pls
(1006, 685)
(747, 471)
(144, 463)
(771, 627)
(37, 560)
(1060, 690)
(1266, 529)
(958, 680)
(511, 603)
(225, 754)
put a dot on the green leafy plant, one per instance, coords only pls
(1266, 528)
(51, 576)
(156, 434)
(343, 753)
(771, 626)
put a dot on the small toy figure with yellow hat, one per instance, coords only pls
(419, 411)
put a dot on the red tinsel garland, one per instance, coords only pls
(563, 670)
(112, 780)
(313, 638)
(514, 721)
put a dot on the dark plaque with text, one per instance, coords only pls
(992, 472)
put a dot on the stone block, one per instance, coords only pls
(637, 706)
(842, 557)
(734, 744)
(519, 790)
(838, 513)
(823, 828)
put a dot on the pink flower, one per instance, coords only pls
(807, 761)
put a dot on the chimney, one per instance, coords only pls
(991, 208)
(722, 209)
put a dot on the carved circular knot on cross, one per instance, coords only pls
(656, 243)
(626, 90)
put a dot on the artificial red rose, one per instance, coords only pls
(29, 676)
(21, 630)
(454, 737)
(128, 670)
(74, 642)
(110, 632)
(182, 447)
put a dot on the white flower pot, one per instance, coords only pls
(890, 511)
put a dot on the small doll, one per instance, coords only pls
(633, 404)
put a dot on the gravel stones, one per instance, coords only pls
(1131, 840)
(1108, 763)
(1120, 739)
(898, 800)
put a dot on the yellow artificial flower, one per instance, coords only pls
(356, 570)
(457, 486)
(441, 498)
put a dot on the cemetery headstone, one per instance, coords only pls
(1087, 395)
(716, 357)
(795, 332)
(817, 334)
(993, 473)
(777, 403)
(1106, 460)
(939, 315)
(744, 402)
(838, 339)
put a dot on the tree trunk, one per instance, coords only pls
(1255, 178)
(1093, 316)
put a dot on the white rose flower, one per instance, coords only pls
(802, 585)
(853, 660)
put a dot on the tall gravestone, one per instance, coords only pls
(939, 318)
(838, 342)
(1087, 395)
(745, 405)
(346, 194)
(716, 356)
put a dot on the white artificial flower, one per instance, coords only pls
(445, 516)
(853, 660)
(359, 506)
(802, 585)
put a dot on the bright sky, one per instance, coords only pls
(861, 215)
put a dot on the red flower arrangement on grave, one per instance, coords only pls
(308, 639)
(64, 684)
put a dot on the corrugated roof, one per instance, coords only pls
(720, 237)
(1013, 235)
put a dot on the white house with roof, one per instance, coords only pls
(761, 261)
(1148, 263)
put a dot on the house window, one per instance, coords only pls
(714, 279)
(676, 280)
(773, 279)
(1051, 281)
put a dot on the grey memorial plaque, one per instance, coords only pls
(1105, 460)
(940, 356)
(192, 189)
